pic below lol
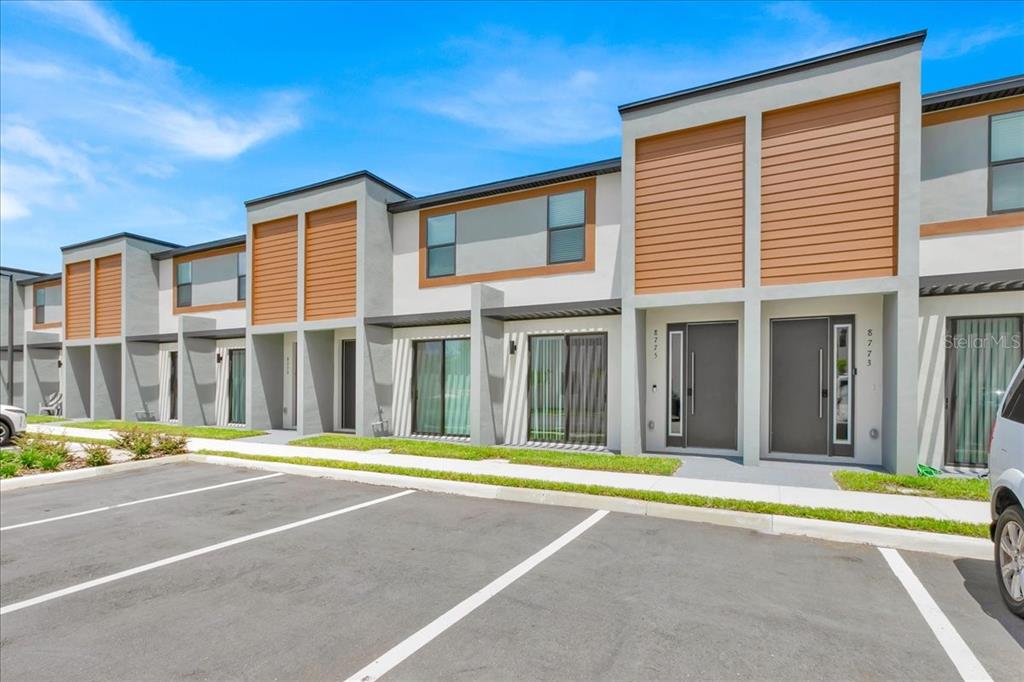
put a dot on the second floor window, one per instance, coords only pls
(1006, 162)
(241, 276)
(566, 233)
(40, 305)
(183, 282)
(441, 245)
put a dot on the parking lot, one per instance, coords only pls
(246, 575)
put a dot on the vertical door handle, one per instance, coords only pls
(693, 386)
(821, 372)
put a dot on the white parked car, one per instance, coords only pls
(1006, 486)
(12, 422)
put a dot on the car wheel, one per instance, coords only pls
(1009, 538)
(5, 432)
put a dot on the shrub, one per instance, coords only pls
(134, 440)
(96, 455)
(170, 444)
(9, 469)
(50, 461)
(39, 453)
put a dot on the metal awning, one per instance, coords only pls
(420, 319)
(544, 311)
(232, 333)
(152, 338)
(972, 283)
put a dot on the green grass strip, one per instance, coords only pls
(660, 466)
(214, 432)
(950, 487)
(44, 419)
(944, 526)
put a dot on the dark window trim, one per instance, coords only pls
(452, 243)
(565, 385)
(415, 394)
(583, 226)
(1005, 162)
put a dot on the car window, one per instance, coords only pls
(1013, 408)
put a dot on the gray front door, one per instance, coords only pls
(799, 386)
(702, 385)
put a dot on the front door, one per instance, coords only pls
(347, 381)
(799, 386)
(702, 385)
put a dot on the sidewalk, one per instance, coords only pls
(901, 505)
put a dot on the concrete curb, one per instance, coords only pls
(88, 472)
(918, 541)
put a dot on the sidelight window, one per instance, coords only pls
(842, 386)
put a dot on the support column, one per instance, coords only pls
(77, 381)
(899, 381)
(42, 376)
(750, 442)
(264, 381)
(374, 380)
(487, 368)
(634, 380)
(197, 373)
(106, 381)
(316, 400)
(142, 381)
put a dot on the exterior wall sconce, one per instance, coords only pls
(512, 347)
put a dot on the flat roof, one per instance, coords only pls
(196, 248)
(327, 183)
(20, 271)
(813, 62)
(972, 94)
(511, 185)
(119, 235)
(40, 279)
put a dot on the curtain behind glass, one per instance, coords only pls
(456, 387)
(986, 352)
(547, 386)
(586, 389)
(427, 381)
(236, 411)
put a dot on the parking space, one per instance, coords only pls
(297, 578)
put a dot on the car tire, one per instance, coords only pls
(5, 432)
(1009, 553)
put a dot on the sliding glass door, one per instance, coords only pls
(981, 355)
(568, 388)
(441, 387)
(172, 387)
(236, 386)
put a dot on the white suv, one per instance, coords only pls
(12, 422)
(1006, 486)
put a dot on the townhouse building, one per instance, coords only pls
(812, 262)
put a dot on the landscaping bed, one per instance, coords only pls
(44, 419)
(950, 487)
(660, 466)
(35, 453)
(214, 432)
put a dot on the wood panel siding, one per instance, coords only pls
(107, 300)
(77, 300)
(275, 266)
(330, 266)
(997, 221)
(689, 209)
(998, 106)
(829, 180)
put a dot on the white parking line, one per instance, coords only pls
(968, 665)
(421, 638)
(17, 606)
(134, 502)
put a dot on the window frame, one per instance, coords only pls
(567, 439)
(453, 244)
(178, 284)
(1005, 162)
(582, 227)
(38, 309)
(415, 394)
(241, 277)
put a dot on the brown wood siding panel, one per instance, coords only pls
(108, 296)
(689, 209)
(829, 180)
(77, 297)
(275, 269)
(331, 263)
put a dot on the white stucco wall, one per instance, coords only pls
(602, 283)
(973, 251)
(934, 311)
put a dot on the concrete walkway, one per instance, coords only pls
(902, 505)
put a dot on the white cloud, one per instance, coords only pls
(89, 19)
(959, 43)
(22, 139)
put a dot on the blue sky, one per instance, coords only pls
(162, 118)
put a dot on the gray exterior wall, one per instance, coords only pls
(487, 368)
(954, 170)
(107, 388)
(264, 386)
(142, 381)
(318, 372)
(17, 371)
(502, 237)
(77, 381)
(42, 376)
